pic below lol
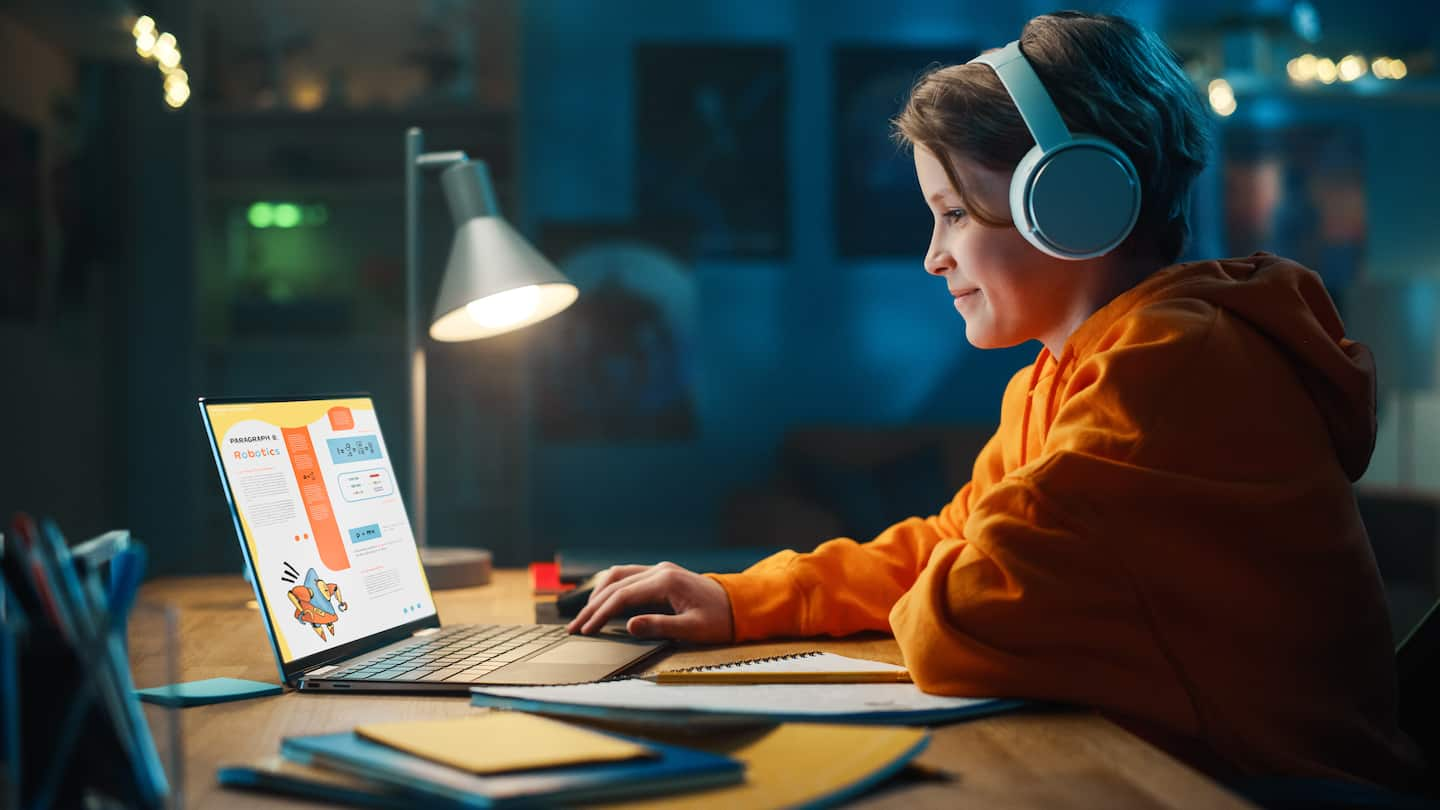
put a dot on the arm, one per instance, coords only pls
(843, 586)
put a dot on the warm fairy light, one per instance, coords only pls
(145, 44)
(1381, 67)
(1304, 67)
(177, 95)
(1222, 97)
(169, 60)
(1352, 67)
(176, 76)
(144, 25)
(164, 44)
(1398, 69)
(1326, 71)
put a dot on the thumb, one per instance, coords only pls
(658, 625)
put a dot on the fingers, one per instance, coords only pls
(647, 587)
(614, 574)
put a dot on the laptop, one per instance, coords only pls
(336, 570)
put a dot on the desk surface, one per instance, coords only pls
(1054, 760)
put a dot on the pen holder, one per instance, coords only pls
(73, 732)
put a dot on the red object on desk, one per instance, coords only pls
(545, 578)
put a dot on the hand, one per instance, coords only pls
(702, 607)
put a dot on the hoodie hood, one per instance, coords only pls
(1288, 304)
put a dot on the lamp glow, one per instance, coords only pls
(506, 308)
(1326, 71)
(145, 44)
(144, 25)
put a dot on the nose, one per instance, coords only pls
(938, 260)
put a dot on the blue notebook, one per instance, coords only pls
(675, 769)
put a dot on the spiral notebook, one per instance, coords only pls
(633, 700)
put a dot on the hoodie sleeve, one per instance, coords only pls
(845, 587)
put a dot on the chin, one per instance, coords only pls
(982, 339)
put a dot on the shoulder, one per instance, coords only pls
(1175, 382)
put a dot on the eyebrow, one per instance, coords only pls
(939, 196)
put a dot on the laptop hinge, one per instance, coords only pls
(426, 632)
(320, 672)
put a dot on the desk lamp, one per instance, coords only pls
(495, 282)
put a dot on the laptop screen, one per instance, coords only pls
(321, 520)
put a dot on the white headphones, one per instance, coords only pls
(1071, 196)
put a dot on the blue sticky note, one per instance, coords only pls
(211, 690)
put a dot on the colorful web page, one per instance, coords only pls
(329, 541)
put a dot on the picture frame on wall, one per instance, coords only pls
(878, 211)
(710, 145)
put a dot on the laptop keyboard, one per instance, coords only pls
(458, 653)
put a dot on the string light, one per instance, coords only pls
(151, 43)
(1308, 67)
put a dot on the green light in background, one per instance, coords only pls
(316, 215)
(287, 215)
(261, 215)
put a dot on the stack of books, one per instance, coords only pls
(489, 759)
(800, 730)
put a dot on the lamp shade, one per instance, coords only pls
(495, 281)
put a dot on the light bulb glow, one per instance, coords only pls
(175, 78)
(144, 25)
(1222, 97)
(177, 95)
(1398, 69)
(1381, 67)
(169, 60)
(506, 308)
(145, 44)
(1326, 71)
(1352, 67)
(260, 215)
(287, 215)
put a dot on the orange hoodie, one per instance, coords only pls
(1163, 528)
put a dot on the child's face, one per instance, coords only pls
(1007, 291)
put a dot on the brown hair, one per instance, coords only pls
(1108, 77)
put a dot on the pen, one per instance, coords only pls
(722, 677)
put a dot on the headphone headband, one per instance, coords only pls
(1029, 94)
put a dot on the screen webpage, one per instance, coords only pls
(324, 527)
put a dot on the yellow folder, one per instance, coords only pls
(499, 742)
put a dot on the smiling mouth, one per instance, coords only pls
(959, 294)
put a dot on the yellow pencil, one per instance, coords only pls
(723, 677)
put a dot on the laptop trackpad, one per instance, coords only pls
(576, 660)
(588, 651)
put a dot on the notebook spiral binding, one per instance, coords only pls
(764, 660)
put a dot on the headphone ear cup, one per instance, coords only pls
(1078, 200)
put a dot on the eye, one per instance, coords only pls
(954, 214)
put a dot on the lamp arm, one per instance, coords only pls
(414, 347)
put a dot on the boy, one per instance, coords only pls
(1163, 526)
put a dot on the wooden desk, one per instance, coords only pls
(1057, 760)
